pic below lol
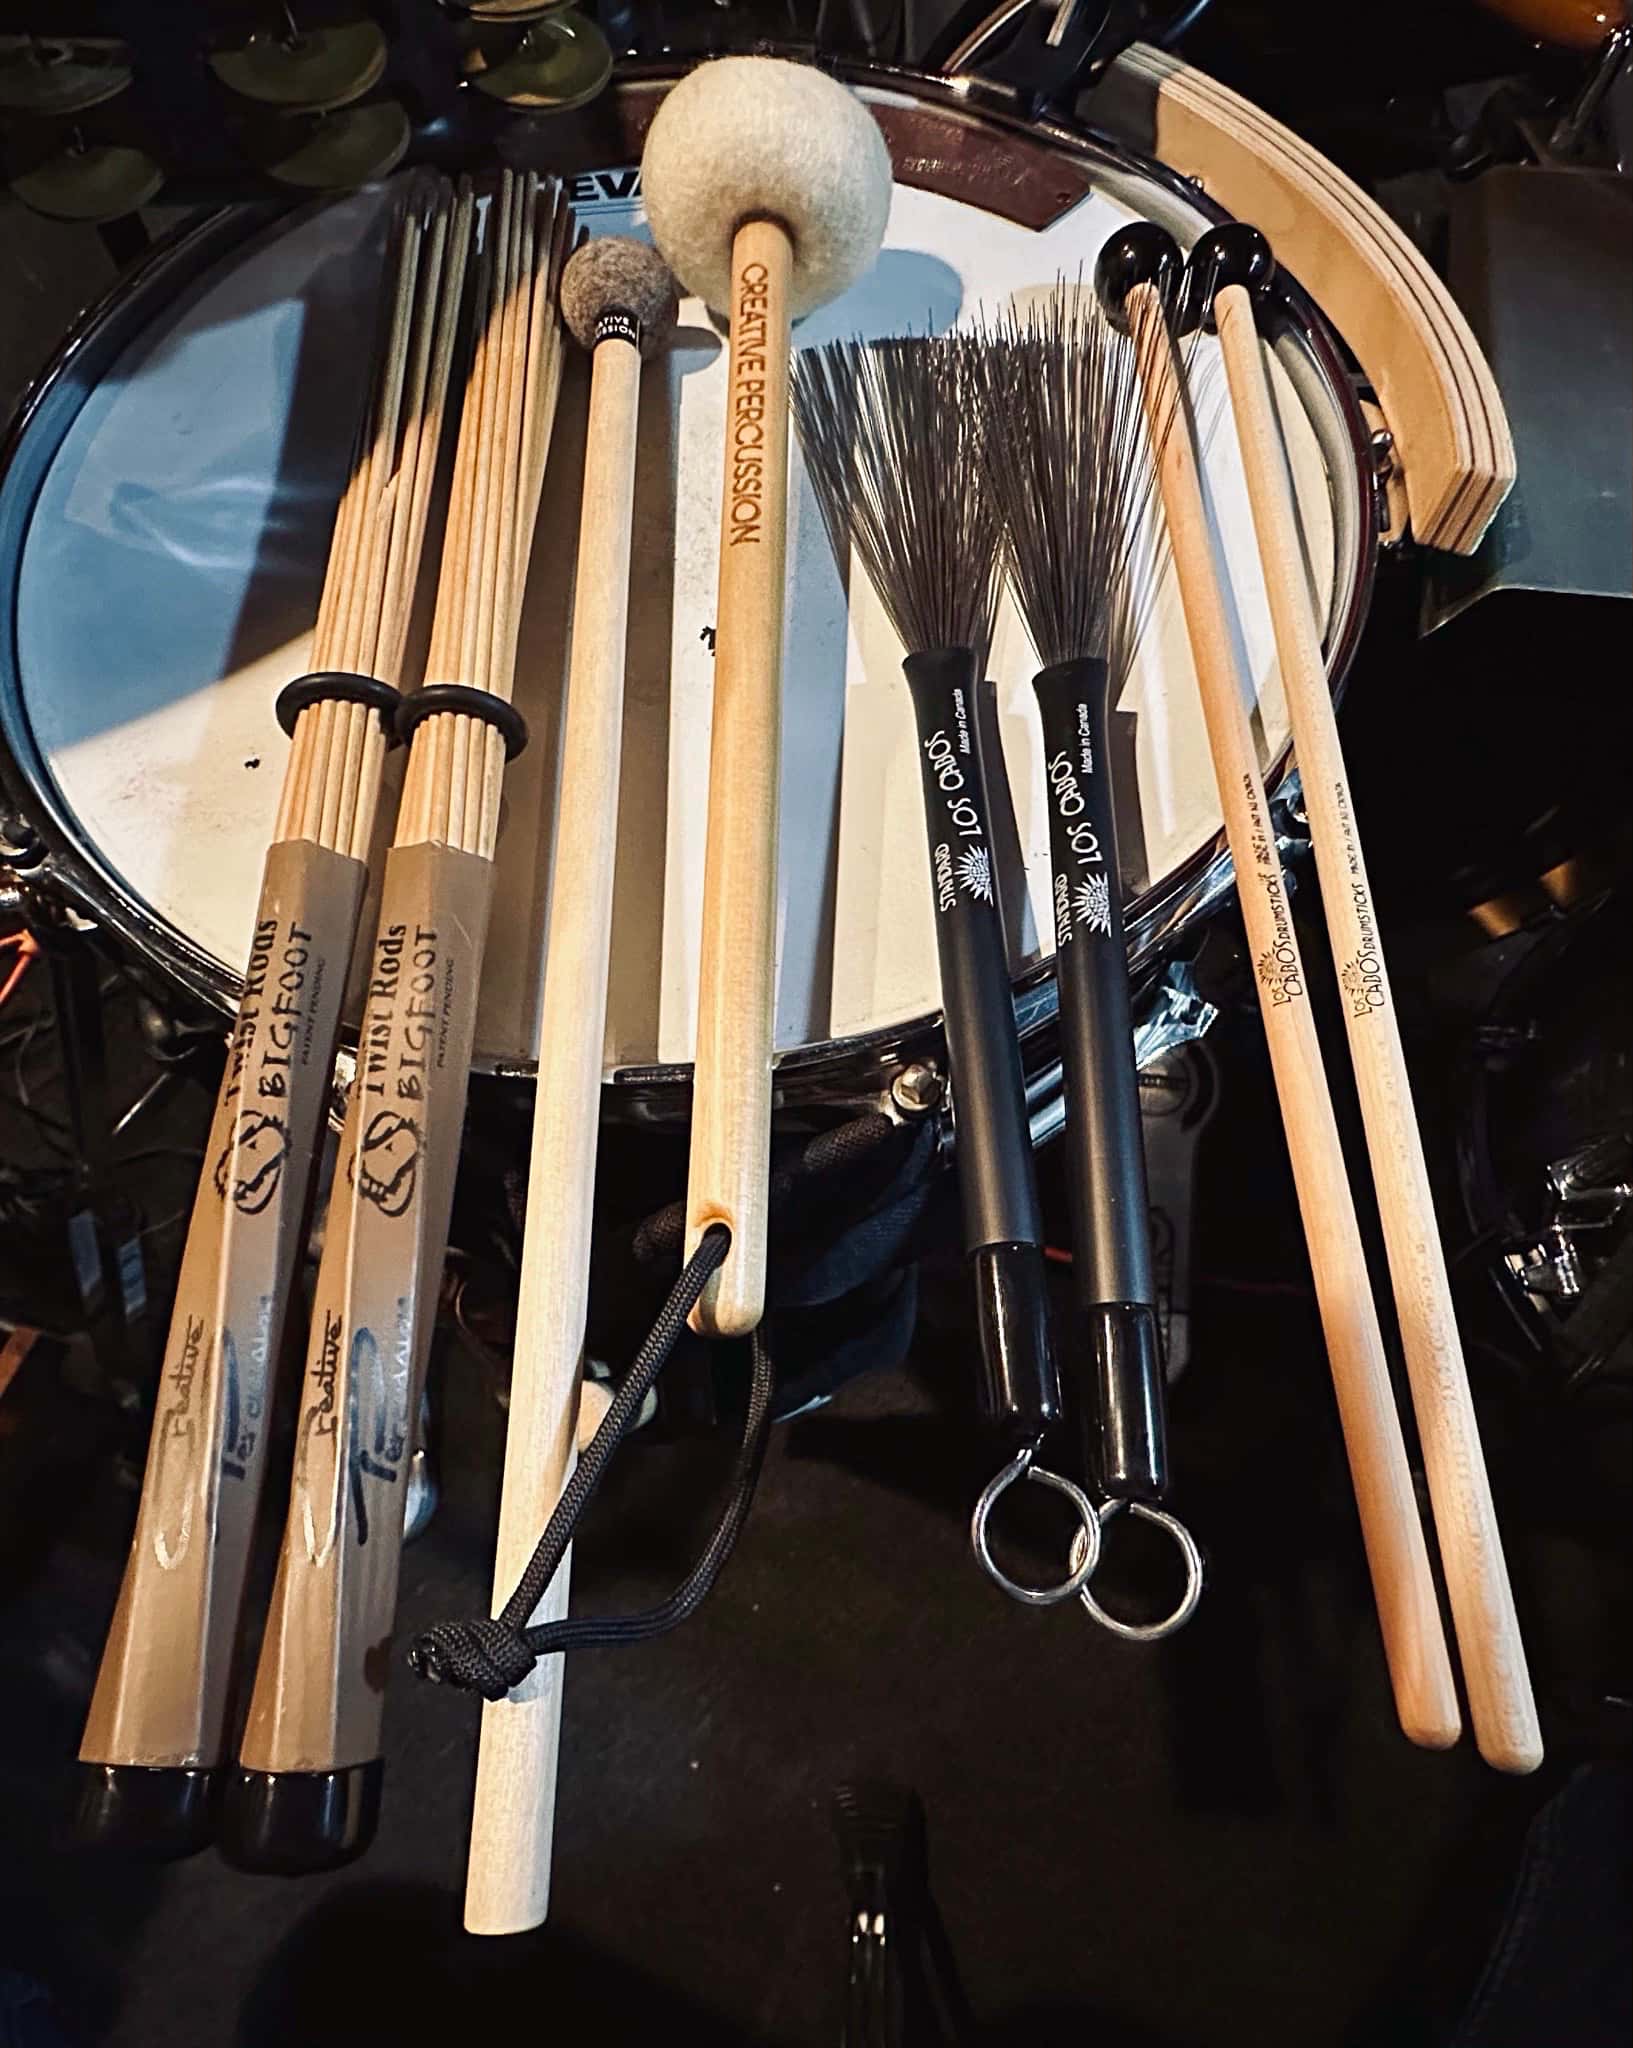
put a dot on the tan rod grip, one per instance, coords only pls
(320, 1684)
(161, 1693)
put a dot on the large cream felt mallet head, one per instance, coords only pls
(757, 138)
(614, 283)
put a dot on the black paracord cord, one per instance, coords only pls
(491, 1656)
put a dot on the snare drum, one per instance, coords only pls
(165, 508)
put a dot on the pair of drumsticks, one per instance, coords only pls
(154, 1740)
(1139, 280)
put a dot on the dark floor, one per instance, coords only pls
(1223, 1839)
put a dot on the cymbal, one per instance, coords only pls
(562, 61)
(507, 10)
(335, 151)
(98, 183)
(46, 77)
(316, 70)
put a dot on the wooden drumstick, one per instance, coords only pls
(307, 1792)
(1137, 279)
(154, 1736)
(1233, 265)
(767, 186)
(618, 299)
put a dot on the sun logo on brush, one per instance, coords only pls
(975, 873)
(1091, 903)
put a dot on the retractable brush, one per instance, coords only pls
(891, 434)
(1070, 466)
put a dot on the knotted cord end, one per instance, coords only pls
(485, 1656)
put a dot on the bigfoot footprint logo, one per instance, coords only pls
(387, 1167)
(248, 1172)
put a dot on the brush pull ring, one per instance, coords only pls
(997, 1186)
(1105, 1148)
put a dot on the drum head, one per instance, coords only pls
(166, 540)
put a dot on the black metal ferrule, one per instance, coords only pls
(1020, 1389)
(1126, 1439)
(156, 1813)
(437, 698)
(1104, 1140)
(338, 686)
(293, 1823)
(617, 324)
(997, 1182)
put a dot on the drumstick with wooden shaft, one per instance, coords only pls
(307, 1791)
(618, 299)
(767, 187)
(154, 1737)
(1137, 278)
(1231, 267)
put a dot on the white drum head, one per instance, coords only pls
(173, 561)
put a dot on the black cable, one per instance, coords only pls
(1182, 24)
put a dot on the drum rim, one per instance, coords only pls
(63, 856)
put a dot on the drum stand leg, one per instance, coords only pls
(102, 1235)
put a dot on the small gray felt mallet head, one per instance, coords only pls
(758, 138)
(617, 288)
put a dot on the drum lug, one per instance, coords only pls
(917, 1089)
(20, 849)
(1388, 481)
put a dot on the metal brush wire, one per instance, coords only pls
(1070, 464)
(892, 438)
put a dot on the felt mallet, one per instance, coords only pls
(767, 187)
(618, 299)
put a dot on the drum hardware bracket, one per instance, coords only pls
(1388, 478)
(917, 1089)
(21, 850)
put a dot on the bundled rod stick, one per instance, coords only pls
(1130, 276)
(307, 1792)
(155, 1732)
(1471, 1550)
(619, 301)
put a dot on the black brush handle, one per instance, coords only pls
(1003, 1231)
(1105, 1149)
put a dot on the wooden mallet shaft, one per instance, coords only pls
(729, 1176)
(507, 1882)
